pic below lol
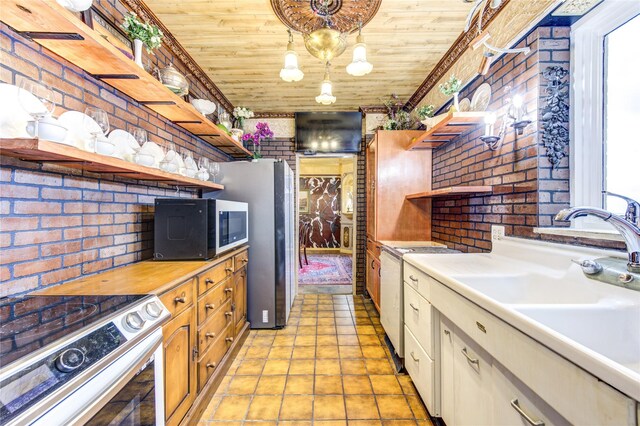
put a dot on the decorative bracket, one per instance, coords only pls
(555, 114)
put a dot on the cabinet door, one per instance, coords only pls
(371, 189)
(446, 371)
(240, 299)
(180, 385)
(514, 404)
(369, 275)
(376, 283)
(472, 383)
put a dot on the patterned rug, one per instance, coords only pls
(330, 269)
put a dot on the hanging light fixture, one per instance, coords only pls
(359, 65)
(290, 72)
(326, 96)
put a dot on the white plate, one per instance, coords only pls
(80, 128)
(13, 118)
(481, 98)
(465, 105)
(126, 144)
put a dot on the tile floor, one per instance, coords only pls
(329, 366)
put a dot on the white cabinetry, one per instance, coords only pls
(391, 315)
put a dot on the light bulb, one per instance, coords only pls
(359, 65)
(326, 96)
(290, 72)
(490, 118)
(517, 101)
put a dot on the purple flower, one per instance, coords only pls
(262, 132)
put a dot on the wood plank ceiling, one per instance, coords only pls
(241, 45)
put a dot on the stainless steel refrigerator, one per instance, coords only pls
(267, 185)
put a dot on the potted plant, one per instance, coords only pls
(141, 33)
(262, 133)
(397, 118)
(452, 87)
(240, 114)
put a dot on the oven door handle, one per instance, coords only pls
(93, 395)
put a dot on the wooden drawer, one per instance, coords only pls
(418, 317)
(211, 329)
(215, 275)
(210, 360)
(241, 260)
(421, 369)
(212, 300)
(374, 247)
(178, 299)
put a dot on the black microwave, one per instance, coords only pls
(198, 228)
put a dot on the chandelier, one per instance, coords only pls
(325, 26)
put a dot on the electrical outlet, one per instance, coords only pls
(265, 316)
(497, 232)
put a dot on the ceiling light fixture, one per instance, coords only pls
(326, 96)
(290, 72)
(325, 26)
(359, 65)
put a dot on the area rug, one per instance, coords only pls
(330, 269)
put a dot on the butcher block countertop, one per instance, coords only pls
(147, 277)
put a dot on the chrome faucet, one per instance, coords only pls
(627, 226)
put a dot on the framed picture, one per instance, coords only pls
(112, 33)
(303, 203)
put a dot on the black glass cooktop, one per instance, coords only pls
(31, 322)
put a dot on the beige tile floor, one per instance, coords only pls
(329, 366)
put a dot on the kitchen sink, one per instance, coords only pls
(609, 327)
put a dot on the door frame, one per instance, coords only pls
(354, 234)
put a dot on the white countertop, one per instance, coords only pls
(550, 266)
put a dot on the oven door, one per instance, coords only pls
(232, 225)
(127, 392)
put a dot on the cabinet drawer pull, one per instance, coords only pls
(228, 313)
(228, 290)
(210, 335)
(179, 300)
(229, 339)
(245, 260)
(209, 306)
(208, 281)
(414, 308)
(414, 357)
(471, 360)
(211, 365)
(516, 406)
(412, 278)
(447, 332)
(229, 270)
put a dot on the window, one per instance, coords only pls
(605, 102)
(622, 114)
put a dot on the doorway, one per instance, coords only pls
(326, 213)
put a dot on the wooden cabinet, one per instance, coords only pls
(179, 337)
(392, 174)
(208, 317)
(373, 278)
(240, 299)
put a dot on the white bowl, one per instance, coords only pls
(49, 129)
(168, 166)
(144, 159)
(105, 147)
(203, 175)
(204, 106)
(190, 173)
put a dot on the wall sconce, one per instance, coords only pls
(518, 113)
(517, 117)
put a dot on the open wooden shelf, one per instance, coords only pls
(50, 152)
(57, 29)
(449, 128)
(471, 190)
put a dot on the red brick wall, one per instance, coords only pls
(531, 191)
(56, 223)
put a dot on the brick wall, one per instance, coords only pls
(285, 149)
(57, 223)
(530, 192)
